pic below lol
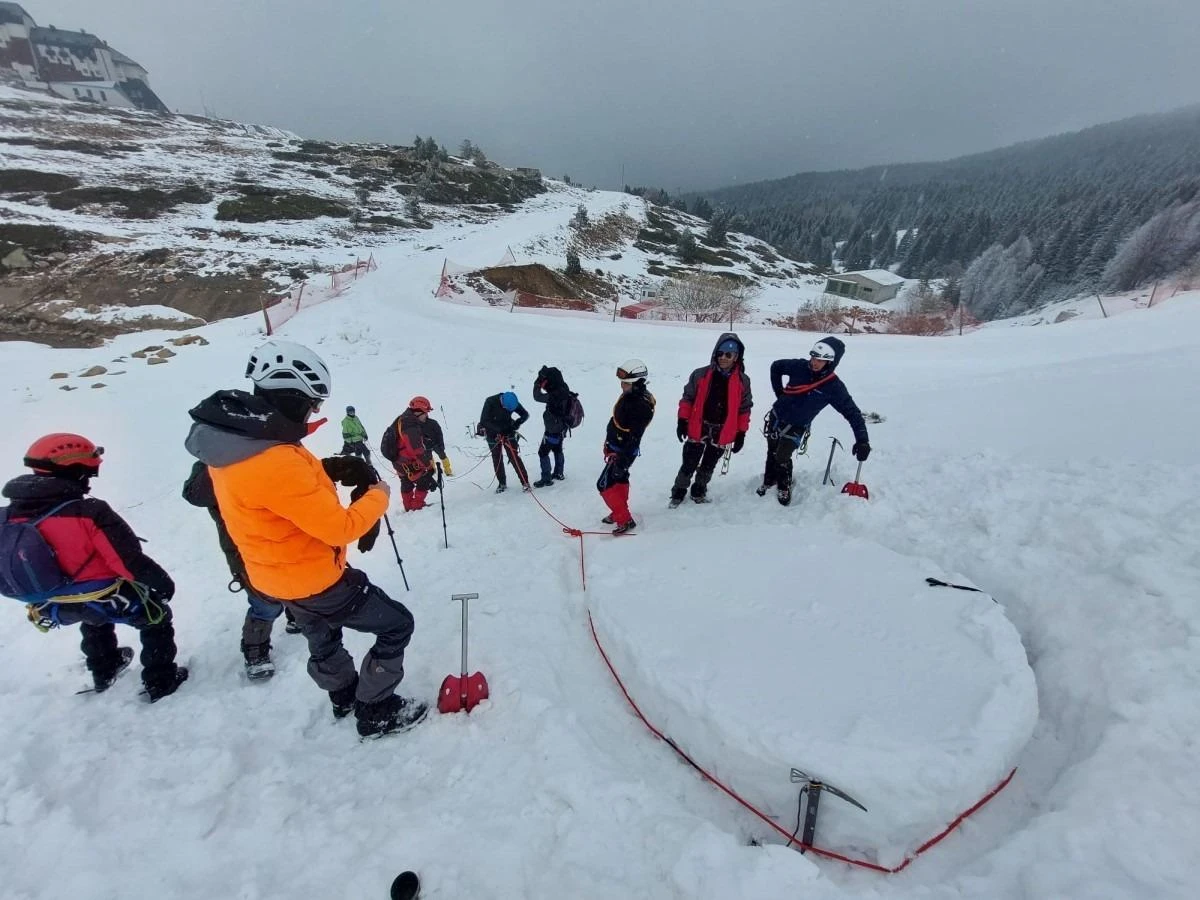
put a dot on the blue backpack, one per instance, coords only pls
(29, 567)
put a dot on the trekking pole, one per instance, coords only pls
(832, 447)
(399, 561)
(442, 497)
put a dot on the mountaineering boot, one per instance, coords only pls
(343, 699)
(559, 476)
(258, 661)
(608, 520)
(544, 481)
(103, 680)
(626, 528)
(677, 495)
(501, 488)
(699, 493)
(784, 494)
(159, 688)
(388, 716)
(292, 626)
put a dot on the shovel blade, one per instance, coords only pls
(856, 489)
(462, 693)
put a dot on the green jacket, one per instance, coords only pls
(352, 430)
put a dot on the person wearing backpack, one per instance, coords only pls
(283, 512)
(354, 436)
(410, 445)
(714, 414)
(497, 425)
(563, 412)
(73, 560)
(261, 612)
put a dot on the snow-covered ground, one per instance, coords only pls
(1054, 467)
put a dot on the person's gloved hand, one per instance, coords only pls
(367, 541)
(447, 469)
(681, 429)
(383, 486)
(739, 441)
(349, 471)
(861, 451)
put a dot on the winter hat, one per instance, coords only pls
(509, 401)
(349, 410)
(729, 346)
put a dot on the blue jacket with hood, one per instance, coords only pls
(806, 393)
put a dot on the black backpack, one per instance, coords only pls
(29, 567)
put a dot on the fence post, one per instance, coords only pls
(266, 318)
(300, 295)
(616, 305)
(1102, 309)
(356, 264)
(1153, 290)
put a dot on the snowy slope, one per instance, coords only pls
(1054, 467)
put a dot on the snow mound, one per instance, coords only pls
(825, 653)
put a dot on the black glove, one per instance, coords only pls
(861, 451)
(349, 471)
(681, 429)
(739, 441)
(367, 541)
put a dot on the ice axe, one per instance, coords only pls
(856, 488)
(828, 465)
(462, 692)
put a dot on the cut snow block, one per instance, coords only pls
(759, 649)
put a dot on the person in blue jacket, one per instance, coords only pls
(812, 384)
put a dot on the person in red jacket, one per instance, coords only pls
(109, 580)
(714, 413)
(410, 444)
(631, 416)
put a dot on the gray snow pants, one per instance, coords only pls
(353, 602)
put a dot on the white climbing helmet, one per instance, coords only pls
(822, 350)
(279, 365)
(632, 371)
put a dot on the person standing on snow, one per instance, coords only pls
(262, 612)
(714, 413)
(282, 510)
(552, 390)
(409, 445)
(354, 436)
(497, 425)
(81, 563)
(811, 386)
(631, 416)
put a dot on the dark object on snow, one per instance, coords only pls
(407, 886)
(462, 693)
(934, 582)
(812, 790)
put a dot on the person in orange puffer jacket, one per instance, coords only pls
(283, 512)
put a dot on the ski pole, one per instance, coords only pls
(399, 561)
(442, 498)
(832, 447)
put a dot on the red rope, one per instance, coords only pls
(829, 854)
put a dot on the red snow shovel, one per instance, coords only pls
(856, 488)
(462, 692)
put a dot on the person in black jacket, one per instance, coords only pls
(714, 414)
(496, 423)
(631, 416)
(811, 385)
(111, 580)
(262, 612)
(552, 390)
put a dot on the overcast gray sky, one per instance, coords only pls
(681, 93)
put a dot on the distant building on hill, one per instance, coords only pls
(871, 285)
(72, 64)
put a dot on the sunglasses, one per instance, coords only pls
(728, 354)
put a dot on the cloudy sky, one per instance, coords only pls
(672, 93)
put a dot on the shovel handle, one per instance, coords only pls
(464, 598)
(858, 472)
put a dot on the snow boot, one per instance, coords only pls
(259, 665)
(544, 481)
(156, 690)
(102, 681)
(677, 496)
(784, 494)
(501, 488)
(608, 520)
(389, 716)
(699, 493)
(292, 626)
(762, 489)
(343, 699)
(626, 528)
(559, 476)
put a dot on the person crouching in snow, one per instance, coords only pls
(282, 510)
(261, 612)
(714, 413)
(497, 425)
(354, 436)
(409, 445)
(811, 385)
(71, 559)
(552, 390)
(631, 416)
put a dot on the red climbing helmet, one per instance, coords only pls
(55, 453)
(420, 404)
